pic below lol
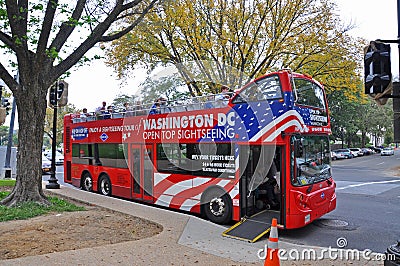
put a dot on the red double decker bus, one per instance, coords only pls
(210, 156)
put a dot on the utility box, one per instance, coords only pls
(13, 162)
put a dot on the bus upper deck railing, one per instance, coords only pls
(180, 105)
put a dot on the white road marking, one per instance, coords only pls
(369, 183)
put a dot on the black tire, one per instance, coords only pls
(104, 185)
(87, 182)
(217, 206)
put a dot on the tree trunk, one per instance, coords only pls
(31, 106)
(363, 139)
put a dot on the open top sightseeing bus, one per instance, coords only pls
(212, 159)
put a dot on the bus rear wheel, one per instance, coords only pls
(105, 185)
(217, 206)
(87, 183)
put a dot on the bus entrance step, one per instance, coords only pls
(253, 228)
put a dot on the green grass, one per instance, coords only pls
(7, 183)
(31, 209)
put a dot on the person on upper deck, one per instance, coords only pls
(107, 114)
(100, 110)
(222, 99)
(84, 115)
(155, 109)
(127, 110)
(139, 109)
(163, 106)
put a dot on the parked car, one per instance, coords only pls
(387, 151)
(337, 156)
(367, 151)
(376, 149)
(59, 157)
(357, 152)
(345, 152)
(46, 165)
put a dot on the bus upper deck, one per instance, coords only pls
(305, 96)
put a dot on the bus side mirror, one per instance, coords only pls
(298, 148)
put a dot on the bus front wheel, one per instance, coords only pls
(217, 206)
(87, 183)
(105, 185)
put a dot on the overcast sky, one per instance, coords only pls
(373, 20)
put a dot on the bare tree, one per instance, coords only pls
(39, 33)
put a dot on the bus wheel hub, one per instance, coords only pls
(88, 183)
(217, 206)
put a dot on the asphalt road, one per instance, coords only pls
(59, 175)
(368, 207)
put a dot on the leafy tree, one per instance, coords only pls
(167, 86)
(119, 101)
(361, 116)
(381, 121)
(231, 42)
(4, 135)
(388, 138)
(42, 36)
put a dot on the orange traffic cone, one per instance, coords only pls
(272, 258)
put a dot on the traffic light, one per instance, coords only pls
(58, 94)
(377, 68)
(6, 104)
(62, 93)
(53, 95)
(3, 114)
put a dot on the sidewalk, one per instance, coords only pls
(185, 240)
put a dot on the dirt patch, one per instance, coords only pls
(71, 230)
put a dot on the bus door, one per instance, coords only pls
(256, 160)
(256, 209)
(142, 171)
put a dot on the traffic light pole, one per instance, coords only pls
(398, 31)
(7, 165)
(53, 182)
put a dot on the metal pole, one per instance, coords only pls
(398, 30)
(53, 184)
(7, 166)
(342, 135)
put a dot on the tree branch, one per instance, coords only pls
(7, 40)
(96, 36)
(68, 26)
(46, 26)
(13, 18)
(7, 78)
(133, 25)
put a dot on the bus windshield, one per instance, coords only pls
(310, 160)
(309, 94)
